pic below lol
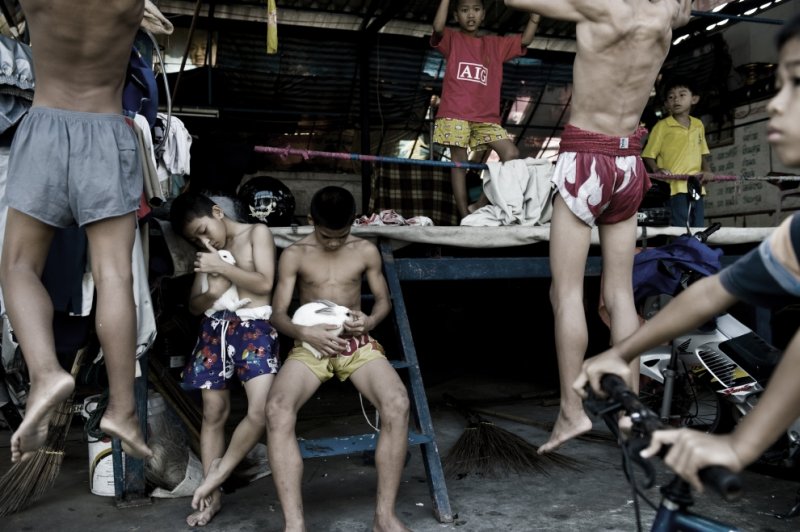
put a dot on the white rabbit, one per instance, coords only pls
(319, 312)
(229, 300)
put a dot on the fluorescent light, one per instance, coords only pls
(719, 7)
(680, 39)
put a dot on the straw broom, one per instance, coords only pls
(27, 481)
(486, 449)
(594, 436)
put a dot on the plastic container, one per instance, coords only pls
(101, 462)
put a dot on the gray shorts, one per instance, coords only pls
(69, 167)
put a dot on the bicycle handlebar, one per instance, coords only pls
(721, 479)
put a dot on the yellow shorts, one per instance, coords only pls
(363, 350)
(461, 133)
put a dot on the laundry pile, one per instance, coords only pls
(390, 217)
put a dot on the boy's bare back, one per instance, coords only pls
(621, 47)
(81, 50)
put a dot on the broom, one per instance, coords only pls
(486, 449)
(594, 436)
(27, 481)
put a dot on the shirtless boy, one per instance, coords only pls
(74, 161)
(238, 339)
(330, 264)
(768, 276)
(599, 174)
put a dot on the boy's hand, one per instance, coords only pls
(595, 367)
(357, 326)
(705, 177)
(324, 339)
(691, 450)
(209, 261)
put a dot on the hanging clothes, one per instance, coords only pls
(272, 27)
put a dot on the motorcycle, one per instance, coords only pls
(709, 378)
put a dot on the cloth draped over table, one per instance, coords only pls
(519, 193)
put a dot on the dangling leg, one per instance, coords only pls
(569, 248)
(30, 310)
(111, 247)
(618, 243)
(458, 180)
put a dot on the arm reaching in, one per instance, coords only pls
(695, 305)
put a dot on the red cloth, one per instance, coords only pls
(473, 74)
(606, 180)
(579, 140)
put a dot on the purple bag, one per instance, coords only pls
(659, 270)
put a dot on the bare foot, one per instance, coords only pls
(44, 399)
(203, 516)
(566, 428)
(126, 428)
(388, 524)
(211, 483)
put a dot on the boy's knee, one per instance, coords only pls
(215, 412)
(257, 417)
(215, 417)
(278, 412)
(396, 404)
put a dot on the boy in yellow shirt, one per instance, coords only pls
(677, 145)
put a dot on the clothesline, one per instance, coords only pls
(307, 154)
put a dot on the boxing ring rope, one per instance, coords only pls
(344, 156)
(306, 154)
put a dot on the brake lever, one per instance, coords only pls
(633, 448)
(637, 441)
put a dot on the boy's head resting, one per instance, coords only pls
(198, 219)
(469, 14)
(783, 130)
(332, 208)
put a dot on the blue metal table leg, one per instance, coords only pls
(430, 451)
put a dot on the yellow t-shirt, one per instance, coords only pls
(677, 149)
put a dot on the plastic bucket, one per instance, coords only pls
(101, 464)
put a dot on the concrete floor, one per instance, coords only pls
(339, 492)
